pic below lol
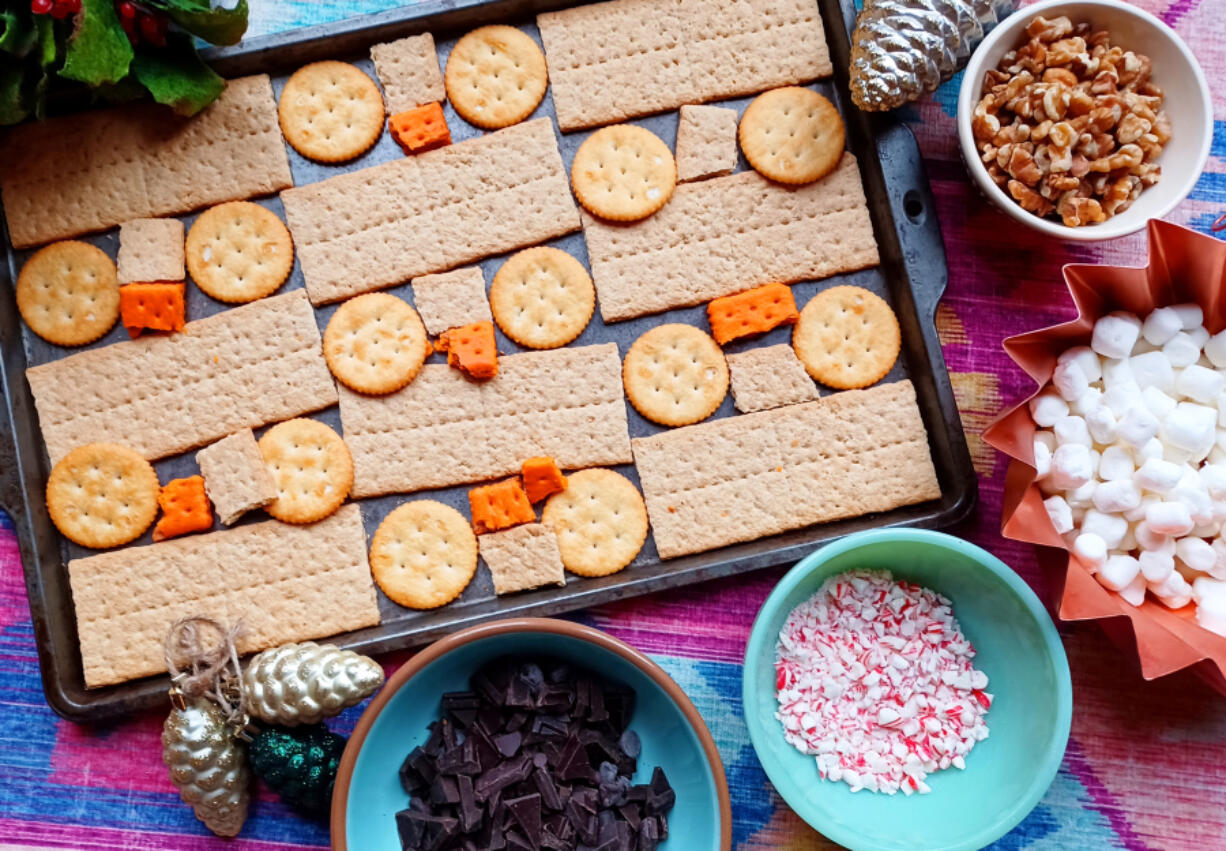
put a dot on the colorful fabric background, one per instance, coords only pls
(1146, 763)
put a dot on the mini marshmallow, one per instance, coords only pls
(1082, 497)
(1213, 480)
(1115, 463)
(1137, 426)
(1152, 369)
(1102, 424)
(1218, 571)
(1134, 592)
(1161, 325)
(1207, 530)
(1091, 550)
(1046, 438)
(1134, 515)
(1060, 513)
(1119, 572)
(1118, 373)
(1047, 407)
(1158, 476)
(1152, 449)
(1115, 334)
(1117, 496)
(1169, 518)
(1072, 429)
(1201, 385)
(1210, 596)
(1221, 411)
(1121, 397)
(1042, 459)
(1090, 400)
(1110, 527)
(1154, 542)
(1156, 567)
(1189, 314)
(1200, 506)
(1070, 380)
(1190, 427)
(1071, 466)
(1215, 349)
(1173, 591)
(1159, 404)
(1196, 553)
(1199, 336)
(1217, 455)
(1182, 350)
(1084, 357)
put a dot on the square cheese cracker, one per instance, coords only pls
(768, 377)
(522, 557)
(408, 71)
(451, 299)
(150, 250)
(235, 477)
(706, 142)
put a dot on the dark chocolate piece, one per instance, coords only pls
(508, 743)
(527, 813)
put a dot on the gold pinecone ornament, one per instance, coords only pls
(307, 682)
(903, 48)
(207, 764)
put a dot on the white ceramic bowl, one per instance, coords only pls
(1174, 69)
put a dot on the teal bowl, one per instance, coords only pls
(367, 793)
(1018, 648)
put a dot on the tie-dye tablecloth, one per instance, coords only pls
(1146, 764)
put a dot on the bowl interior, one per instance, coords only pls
(668, 739)
(1018, 648)
(1174, 69)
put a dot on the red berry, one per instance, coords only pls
(40, 7)
(151, 30)
(127, 11)
(60, 11)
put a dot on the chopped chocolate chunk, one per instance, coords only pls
(508, 743)
(444, 791)
(527, 813)
(631, 744)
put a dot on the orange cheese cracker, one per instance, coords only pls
(420, 129)
(471, 349)
(185, 508)
(153, 307)
(542, 478)
(751, 312)
(500, 506)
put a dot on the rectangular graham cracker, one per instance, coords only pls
(241, 368)
(769, 377)
(284, 582)
(751, 476)
(625, 58)
(522, 557)
(443, 429)
(150, 250)
(451, 299)
(706, 142)
(413, 216)
(408, 71)
(235, 477)
(724, 235)
(90, 171)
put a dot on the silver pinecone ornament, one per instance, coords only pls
(903, 48)
(305, 683)
(207, 764)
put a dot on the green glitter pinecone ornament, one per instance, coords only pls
(299, 764)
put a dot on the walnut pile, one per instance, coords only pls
(1071, 125)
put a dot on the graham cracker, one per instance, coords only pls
(751, 476)
(380, 226)
(724, 235)
(625, 58)
(235, 476)
(769, 377)
(283, 582)
(522, 557)
(151, 250)
(706, 142)
(90, 171)
(240, 368)
(451, 299)
(408, 71)
(444, 430)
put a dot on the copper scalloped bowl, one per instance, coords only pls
(1184, 266)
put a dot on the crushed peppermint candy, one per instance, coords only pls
(876, 680)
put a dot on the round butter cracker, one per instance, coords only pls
(600, 521)
(330, 111)
(791, 135)
(495, 77)
(424, 554)
(623, 173)
(675, 375)
(542, 298)
(311, 469)
(375, 343)
(847, 337)
(68, 293)
(239, 251)
(102, 495)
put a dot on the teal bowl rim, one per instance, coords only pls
(760, 646)
(504, 626)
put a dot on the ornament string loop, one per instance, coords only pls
(203, 662)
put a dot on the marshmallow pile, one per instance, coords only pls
(1131, 455)
(875, 679)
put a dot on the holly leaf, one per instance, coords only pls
(48, 47)
(98, 51)
(13, 108)
(178, 77)
(16, 32)
(211, 21)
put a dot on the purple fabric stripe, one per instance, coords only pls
(1104, 802)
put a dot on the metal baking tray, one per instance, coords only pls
(912, 277)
